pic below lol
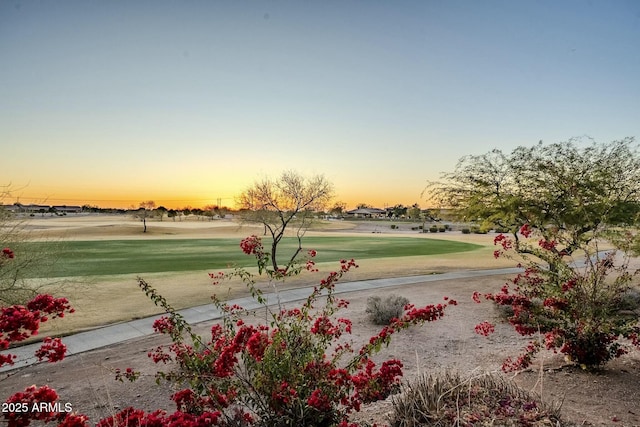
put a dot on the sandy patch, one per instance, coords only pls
(115, 227)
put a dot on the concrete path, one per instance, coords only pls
(113, 334)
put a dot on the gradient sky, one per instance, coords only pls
(188, 102)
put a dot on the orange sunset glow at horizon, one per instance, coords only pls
(188, 199)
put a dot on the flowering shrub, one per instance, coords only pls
(41, 404)
(574, 309)
(20, 322)
(295, 369)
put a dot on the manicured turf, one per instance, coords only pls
(95, 258)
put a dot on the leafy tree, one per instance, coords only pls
(197, 212)
(288, 200)
(211, 211)
(568, 193)
(414, 211)
(338, 208)
(398, 211)
(90, 208)
(363, 206)
(560, 203)
(161, 210)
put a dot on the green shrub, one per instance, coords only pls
(630, 300)
(393, 226)
(442, 229)
(466, 231)
(446, 399)
(382, 311)
(433, 229)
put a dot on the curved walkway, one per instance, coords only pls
(120, 332)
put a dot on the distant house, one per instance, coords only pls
(15, 208)
(30, 208)
(367, 213)
(19, 208)
(68, 209)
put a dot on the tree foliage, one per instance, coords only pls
(560, 203)
(568, 192)
(290, 200)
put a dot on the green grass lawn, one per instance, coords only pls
(96, 258)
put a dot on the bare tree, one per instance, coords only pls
(29, 261)
(289, 200)
(145, 211)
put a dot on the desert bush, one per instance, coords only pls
(442, 229)
(433, 229)
(478, 230)
(393, 226)
(446, 399)
(630, 301)
(466, 231)
(383, 311)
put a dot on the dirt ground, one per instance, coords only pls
(608, 397)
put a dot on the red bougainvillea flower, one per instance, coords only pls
(547, 245)
(526, 230)
(52, 349)
(251, 245)
(7, 253)
(485, 328)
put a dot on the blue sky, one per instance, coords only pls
(186, 102)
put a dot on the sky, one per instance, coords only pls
(187, 103)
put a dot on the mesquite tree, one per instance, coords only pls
(567, 192)
(561, 203)
(290, 200)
